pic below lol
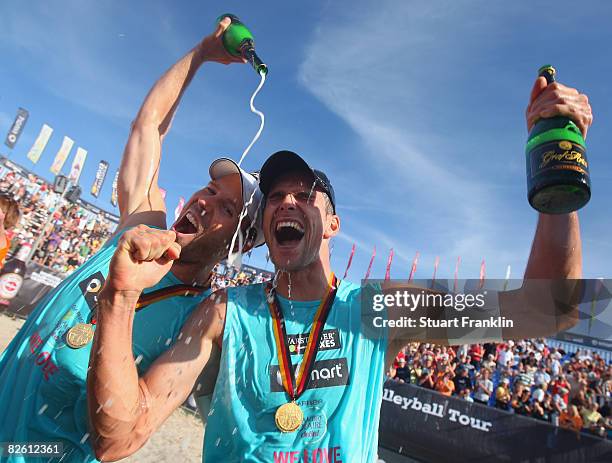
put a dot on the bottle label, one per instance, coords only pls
(558, 155)
(10, 283)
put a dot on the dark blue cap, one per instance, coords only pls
(285, 161)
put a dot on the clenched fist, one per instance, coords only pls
(143, 256)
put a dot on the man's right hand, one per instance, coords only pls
(143, 256)
(212, 49)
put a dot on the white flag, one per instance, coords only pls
(62, 155)
(40, 143)
(179, 208)
(77, 165)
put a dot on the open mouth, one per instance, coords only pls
(289, 233)
(188, 224)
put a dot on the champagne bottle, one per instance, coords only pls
(238, 41)
(558, 178)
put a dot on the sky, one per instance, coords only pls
(415, 110)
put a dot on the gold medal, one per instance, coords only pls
(79, 335)
(289, 417)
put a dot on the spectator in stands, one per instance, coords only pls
(463, 380)
(503, 395)
(570, 419)
(504, 356)
(402, 373)
(561, 387)
(489, 362)
(9, 217)
(484, 387)
(520, 403)
(426, 378)
(466, 395)
(445, 385)
(476, 355)
(592, 419)
(415, 368)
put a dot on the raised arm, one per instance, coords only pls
(547, 302)
(124, 409)
(140, 199)
(557, 250)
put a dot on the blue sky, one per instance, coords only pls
(414, 109)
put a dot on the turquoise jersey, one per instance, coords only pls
(341, 405)
(43, 380)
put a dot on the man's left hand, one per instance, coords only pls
(558, 100)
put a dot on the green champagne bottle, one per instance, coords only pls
(238, 41)
(557, 168)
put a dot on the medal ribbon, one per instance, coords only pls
(164, 293)
(314, 339)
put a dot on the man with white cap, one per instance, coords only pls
(45, 399)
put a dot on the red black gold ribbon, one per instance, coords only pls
(314, 339)
(160, 294)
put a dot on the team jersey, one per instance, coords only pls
(43, 380)
(341, 404)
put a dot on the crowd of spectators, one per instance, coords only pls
(73, 234)
(528, 378)
(224, 279)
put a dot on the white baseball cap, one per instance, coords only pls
(251, 194)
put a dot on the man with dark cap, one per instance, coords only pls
(272, 402)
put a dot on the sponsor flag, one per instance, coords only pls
(415, 262)
(367, 275)
(456, 274)
(350, 261)
(436, 263)
(41, 142)
(99, 180)
(507, 277)
(179, 208)
(62, 155)
(388, 271)
(77, 165)
(16, 128)
(482, 274)
(114, 191)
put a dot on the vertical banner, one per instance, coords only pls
(507, 277)
(350, 261)
(15, 131)
(62, 155)
(114, 192)
(40, 144)
(99, 180)
(388, 271)
(456, 274)
(179, 207)
(436, 263)
(77, 165)
(415, 262)
(367, 275)
(482, 274)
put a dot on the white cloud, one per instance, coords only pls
(370, 67)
